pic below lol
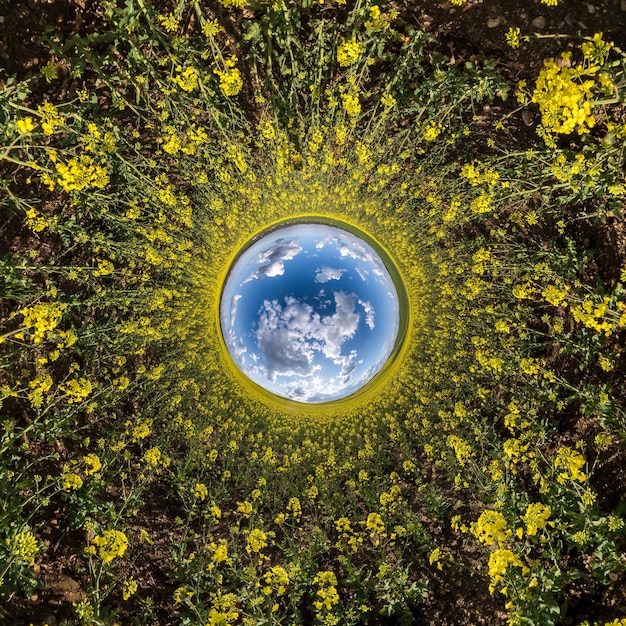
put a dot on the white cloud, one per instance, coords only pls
(339, 326)
(369, 313)
(239, 349)
(363, 273)
(273, 260)
(234, 305)
(351, 247)
(291, 337)
(324, 274)
(285, 350)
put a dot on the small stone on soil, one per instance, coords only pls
(539, 22)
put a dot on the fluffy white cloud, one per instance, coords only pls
(271, 262)
(291, 337)
(324, 274)
(354, 249)
(281, 339)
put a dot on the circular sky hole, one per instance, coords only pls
(310, 312)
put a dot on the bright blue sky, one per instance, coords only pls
(310, 312)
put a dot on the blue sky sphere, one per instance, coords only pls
(309, 312)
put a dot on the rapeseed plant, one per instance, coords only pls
(276, 510)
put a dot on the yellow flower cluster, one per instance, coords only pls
(327, 592)
(536, 517)
(597, 50)
(169, 22)
(71, 481)
(76, 390)
(462, 449)
(513, 36)
(237, 4)
(231, 82)
(187, 142)
(51, 119)
(499, 561)
(186, 79)
(92, 463)
(129, 588)
(294, 509)
(491, 527)
(77, 174)
(351, 104)
(219, 553)
(155, 459)
(570, 462)
(37, 222)
(593, 315)
(348, 52)
(200, 492)
(25, 126)
(257, 540)
(565, 97)
(111, 544)
(276, 580)
(223, 612)
(23, 547)
(379, 21)
(40, 320)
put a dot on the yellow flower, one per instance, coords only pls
(186, 79)
(462, 449)
(327, 592)
(23, 547)
(348, 52)
(351, 104)
(513, 37)
(435, 557)
(50, 118)
(93, 464)
(155, 459)
(181, 594)
(257, 540)
(230, 81)
(72, 481)
(200, 492)
(111, 544)
(129, 588)
(597, 50)
(491, 527)
(211, 28)
(42, 318)
(375, 524)
(25, 126)
(432, 131)
(169, 22)
(499, 562)
(79, 174)
(388, 101)
(294, 508)
(570, 462)
(276, 579)
(564, 98)
(536, 517)
(76, 390)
